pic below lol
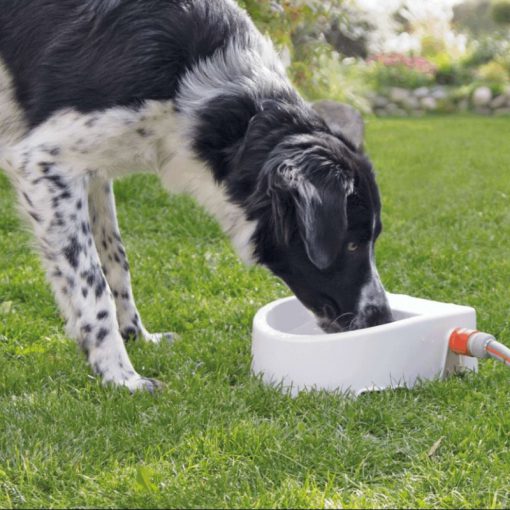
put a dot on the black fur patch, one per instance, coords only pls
(101, 335)
(35, 216)
(86, 328)
(100, 287)
(102, 315)
(92, 55)
(129, 333)
(72, 252)
(27, 199)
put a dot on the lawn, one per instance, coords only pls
(215, 436)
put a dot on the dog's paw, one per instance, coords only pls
(157, 338)
(137, 383)
(131, 333)
(144, 384)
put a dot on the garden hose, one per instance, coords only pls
(470, 342)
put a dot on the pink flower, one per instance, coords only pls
(419, 64)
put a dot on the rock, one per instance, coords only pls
(399, 95)
(417, 113)
(395, 111)
(399, 112)
(343, 118)
(428, 103)
(410, 103)
(498, 102)
(380, 112)
(439, 93)
(500, 112)
(483, 110)
(380, 101)
(421, 92)
(482, 96)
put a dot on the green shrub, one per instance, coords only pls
(450, 71)
(281, 19)
(493, 72)
(447, 105)
(453, 74)
(384, 76)
(332, 77)
(482, 51)
(458, 94)
(504, 60)
(297, 25)
(497, 88)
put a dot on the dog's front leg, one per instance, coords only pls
(113, 258)
(55, 197)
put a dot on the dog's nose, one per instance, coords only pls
(375, 315)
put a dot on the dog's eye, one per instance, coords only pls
(352, 246)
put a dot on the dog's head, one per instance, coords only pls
(318, 209)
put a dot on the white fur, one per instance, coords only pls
(111, 146)
(106, 143)
(185, 174)
(231, 71)
(372, 293)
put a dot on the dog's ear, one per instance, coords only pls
(324, 225)
(321, 211)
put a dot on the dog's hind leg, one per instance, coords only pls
(114, 261)
(55, 197)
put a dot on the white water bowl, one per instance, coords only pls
(289, 349)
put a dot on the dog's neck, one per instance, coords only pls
(227, 113)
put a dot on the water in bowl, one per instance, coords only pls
(292, 317)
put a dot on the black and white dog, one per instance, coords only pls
(189, 89)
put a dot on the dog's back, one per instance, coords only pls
(96, 54)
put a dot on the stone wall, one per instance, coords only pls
(401, 102)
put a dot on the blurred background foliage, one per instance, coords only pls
(351, 50)
(315, 39)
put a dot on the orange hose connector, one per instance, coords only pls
(470, 342)
(459, 339)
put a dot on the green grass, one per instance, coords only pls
(215, 436)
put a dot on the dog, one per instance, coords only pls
(189, 89)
